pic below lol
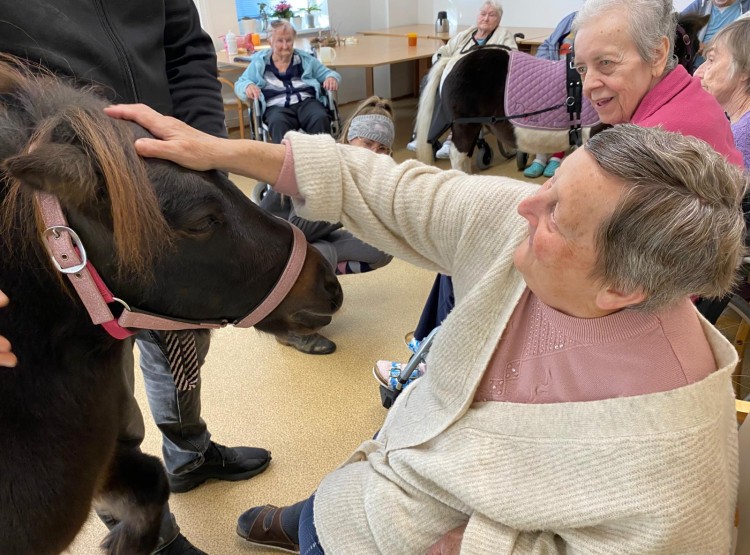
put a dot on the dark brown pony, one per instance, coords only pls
(475, 88)
(175, 242)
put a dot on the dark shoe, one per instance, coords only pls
(313, 344)
(264, 528)
(222, 463)
(180, 546)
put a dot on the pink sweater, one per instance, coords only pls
(535, 362)
(679, 103)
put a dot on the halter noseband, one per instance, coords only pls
(69, 257)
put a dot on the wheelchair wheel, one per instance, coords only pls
(484, 154)
(259, 191)
(734, 324)
(521, 160)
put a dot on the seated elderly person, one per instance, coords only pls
(624, 51)
(487, 31)
(288, 83)
(575, 400)
(726, 75)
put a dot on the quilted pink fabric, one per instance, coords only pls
(534, 84)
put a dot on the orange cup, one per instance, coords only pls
(412, 38)
(256, 39)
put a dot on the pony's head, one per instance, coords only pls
(687, 44)
(185, 244)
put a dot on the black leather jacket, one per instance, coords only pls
(149, 51)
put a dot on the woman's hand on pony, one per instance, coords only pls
(7, 358)
(180, 143)
(174, 141)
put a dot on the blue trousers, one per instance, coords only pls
(309, 544)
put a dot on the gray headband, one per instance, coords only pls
(375, 127)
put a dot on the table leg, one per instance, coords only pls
(369, 82)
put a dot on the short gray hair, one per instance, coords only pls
(648, 22)
(735, 37)
(495, 5)
(678, 229)
(281, 25)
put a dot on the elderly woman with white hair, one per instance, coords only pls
(726, 75)
(289, 84)
(623, 50)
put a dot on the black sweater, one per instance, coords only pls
(149, 51)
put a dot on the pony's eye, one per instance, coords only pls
(203, 225)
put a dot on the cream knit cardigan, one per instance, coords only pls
(647, 474)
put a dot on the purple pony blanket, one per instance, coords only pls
(535, 84)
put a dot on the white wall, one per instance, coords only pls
(519, 13)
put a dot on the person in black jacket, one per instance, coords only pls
(153, 52)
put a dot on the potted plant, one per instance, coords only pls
(282, 10)
(310, 16)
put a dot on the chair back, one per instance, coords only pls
(742, 539)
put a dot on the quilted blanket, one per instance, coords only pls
(535, 84)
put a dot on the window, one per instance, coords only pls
(249, 8)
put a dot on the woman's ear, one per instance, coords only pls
(661, 55)
(610, 299)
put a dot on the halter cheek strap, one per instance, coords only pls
(69, 257)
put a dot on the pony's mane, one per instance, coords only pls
(38, 109)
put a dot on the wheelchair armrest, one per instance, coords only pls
(333, 108)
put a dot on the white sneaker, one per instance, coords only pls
(412, 145)
(445, 150)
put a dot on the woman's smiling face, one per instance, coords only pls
(615, 77)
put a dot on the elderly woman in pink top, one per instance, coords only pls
(575, 400)
(623, 50)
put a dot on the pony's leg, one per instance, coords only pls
(503, 131)
(133, 495)
(464, 140)
(460, 160)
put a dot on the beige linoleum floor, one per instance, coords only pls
(310, 411)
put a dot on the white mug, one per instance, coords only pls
(327, 54)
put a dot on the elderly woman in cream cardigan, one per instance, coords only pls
(575, 399)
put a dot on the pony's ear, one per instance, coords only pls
(60, 169)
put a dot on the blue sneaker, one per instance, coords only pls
(388, 372)
(551, 168)
(534, 170)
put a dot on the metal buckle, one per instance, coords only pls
(56, 232)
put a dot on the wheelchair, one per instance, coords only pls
(259, 130)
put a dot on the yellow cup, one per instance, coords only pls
(256, 39)
(412, 38)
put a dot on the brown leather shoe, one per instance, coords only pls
(265, 529)
(313, 344)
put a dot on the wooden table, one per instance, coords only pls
(369, 52)
(423, 31)
(533, 36)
